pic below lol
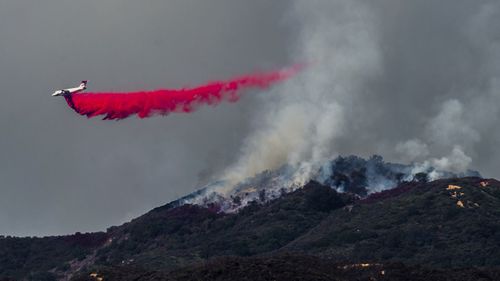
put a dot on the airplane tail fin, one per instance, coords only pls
(84, 84)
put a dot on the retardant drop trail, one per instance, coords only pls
(120, 105)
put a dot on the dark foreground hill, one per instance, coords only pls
(418, 231)
(442, 223)
(294, 267)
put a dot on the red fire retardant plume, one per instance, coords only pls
(163, 101)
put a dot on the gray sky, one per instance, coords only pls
(62, 173)
(410, 80)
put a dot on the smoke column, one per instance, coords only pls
(163, 101)
(383, 84)
(310, 113)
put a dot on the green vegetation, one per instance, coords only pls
(33, 257)
(422, 226)
(418, 223)
(192, 233)
(293, 268)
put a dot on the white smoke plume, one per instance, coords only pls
(448, 128)
(465, 123)
(339, 41)
(412, 150)
(457, 161)
(416, 82)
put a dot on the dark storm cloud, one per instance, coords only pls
(62, 173)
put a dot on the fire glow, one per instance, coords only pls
(120, 105)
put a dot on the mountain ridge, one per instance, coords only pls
(419, 223)
(350, 174)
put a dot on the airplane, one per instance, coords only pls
(70, 91)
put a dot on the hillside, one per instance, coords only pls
(450, 223)
(192, 233)
(351, 174)
(34, 258)
(293, 267)
(443, 223)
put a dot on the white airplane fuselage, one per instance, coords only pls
(70, 91)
